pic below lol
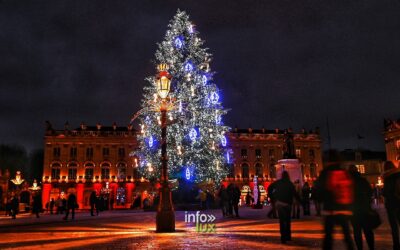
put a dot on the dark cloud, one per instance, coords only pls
(279, 63)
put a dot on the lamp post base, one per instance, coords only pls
(165, 221)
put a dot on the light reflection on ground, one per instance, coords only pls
(117, 230)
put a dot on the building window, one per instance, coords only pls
(105, 173)
(298, 153)
(243, 153)
(89, 153)
(121, 152)
(272, 171)
(361, 169)
(258, 153)
(271, 154)
(259, 171)
(72, 172)
(73, 152)
(121, 170)
(55, 173)
(245, 170)
(89, 173)
(56, 152)
(312, 153)
(106, 152)
(313, 170)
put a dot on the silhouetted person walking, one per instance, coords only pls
(235, 199)
(335, 190)
(361, 207)
(71, 205)
(271, 195)
(223, 200)
(296, 202)
(93, 203)
(305, 193)
(14, 206)
(52, 205)
(37, 205)
(285, 194)
(391, 192)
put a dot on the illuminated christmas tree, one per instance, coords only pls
(196, 140)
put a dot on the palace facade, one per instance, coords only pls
(256, 152)
(97, 158)
(89, 158)
(392, 141)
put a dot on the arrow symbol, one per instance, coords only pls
(211, 218)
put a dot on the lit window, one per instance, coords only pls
(243, 153)
(361, 169)
(298, 153)
(72, 173)
(259, 171)
(56, 152)
(73, 152)
(258, 153)
(271, 154)
(89, 173)
(121, 152)
(55, 173)
(245, 171)
(105, 173)
(106, 152)
(89, 153)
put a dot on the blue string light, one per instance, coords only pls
(178, 42)
(223, 141)
(204, 80)
(187, 174)
(214, 97)
(193, 134)
(188, 67)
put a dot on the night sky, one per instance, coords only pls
(279, 63)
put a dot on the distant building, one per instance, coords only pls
(369, 163)
(392, 141)
(97, 158)
(255, 152)
(89, 158)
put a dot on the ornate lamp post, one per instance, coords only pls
(165, 218)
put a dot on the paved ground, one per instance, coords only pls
(136, 230)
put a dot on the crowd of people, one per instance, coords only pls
(346, 200)
(340, 195)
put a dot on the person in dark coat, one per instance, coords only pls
(305, 193)
(71, 205)
(271, 195)
(248, 199)
(223, 200)
(285, 194)
(63, 205)
(52, 202)
(316, 201)
(229, 190)
(335, 191)
(361, 207)
(235, 199)
(37, 205)
(14, 205)
(391, 192)
(93, 203)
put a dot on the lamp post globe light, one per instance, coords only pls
(165, 219)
